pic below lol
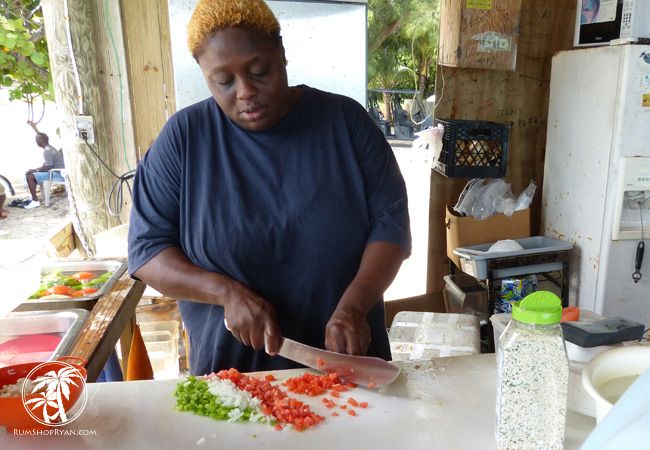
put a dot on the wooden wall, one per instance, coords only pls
(519, 98)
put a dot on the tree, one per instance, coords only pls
(403, 37)
(24, 60)
(385, 17)
(423, 30)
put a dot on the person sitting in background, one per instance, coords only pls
(3, 212)
(52, 159)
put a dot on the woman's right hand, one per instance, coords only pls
(251, 319)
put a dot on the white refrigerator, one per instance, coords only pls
(597, 175)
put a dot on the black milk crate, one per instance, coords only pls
(473, 149)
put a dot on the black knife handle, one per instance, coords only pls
(639, 255)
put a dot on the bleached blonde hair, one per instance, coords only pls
(210, 16)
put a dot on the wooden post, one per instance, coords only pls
(98, 50)
(149, 61)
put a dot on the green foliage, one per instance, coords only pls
(403, 44)
(24, 60)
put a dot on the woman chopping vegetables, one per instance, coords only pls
(279, 209)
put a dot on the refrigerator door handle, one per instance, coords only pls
(638, 261)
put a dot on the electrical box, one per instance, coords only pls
(480, 34)
(84, 128)
(632, 213)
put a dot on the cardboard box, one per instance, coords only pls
(431, 302)
(464, 231)
(480, 34)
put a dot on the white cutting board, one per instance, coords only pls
(446, 404)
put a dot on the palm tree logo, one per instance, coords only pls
(53, 389)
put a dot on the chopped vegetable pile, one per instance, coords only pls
(232, 396)
(56, 285)
(218, 399)
(311, 384)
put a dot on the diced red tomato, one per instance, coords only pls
(61, 289)
(353, 402)
(83, 276)
(274, 401)
(363, 404)
(320, 362)
(335, 414)
(352, 412)
(371, 385)
(270, 377)
(343, 406)
(84, 292)
(311, 384)
(335, 394)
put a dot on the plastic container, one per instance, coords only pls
(161, 340)
(473, 259)
(532, 376)
(578, 399)
(464, 295)
(609, 374)
(472, 149)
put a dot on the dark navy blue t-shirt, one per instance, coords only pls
(286, 211)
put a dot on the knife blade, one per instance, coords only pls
(363, 370)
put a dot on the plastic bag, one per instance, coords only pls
(483, 198)
(526, 198)
(429, 141)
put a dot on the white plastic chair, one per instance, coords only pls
(46, 185)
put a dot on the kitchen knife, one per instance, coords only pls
(363, 370)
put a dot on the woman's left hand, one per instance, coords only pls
(347, 332)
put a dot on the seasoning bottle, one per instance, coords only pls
(532, 376)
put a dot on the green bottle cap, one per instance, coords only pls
(541, 307)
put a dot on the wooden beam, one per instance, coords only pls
(518, 98)
(112, 313)
(148, 50)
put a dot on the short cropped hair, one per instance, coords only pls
(210, 16)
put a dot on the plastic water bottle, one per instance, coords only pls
(532, 376)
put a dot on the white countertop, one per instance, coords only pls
(447, 403)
